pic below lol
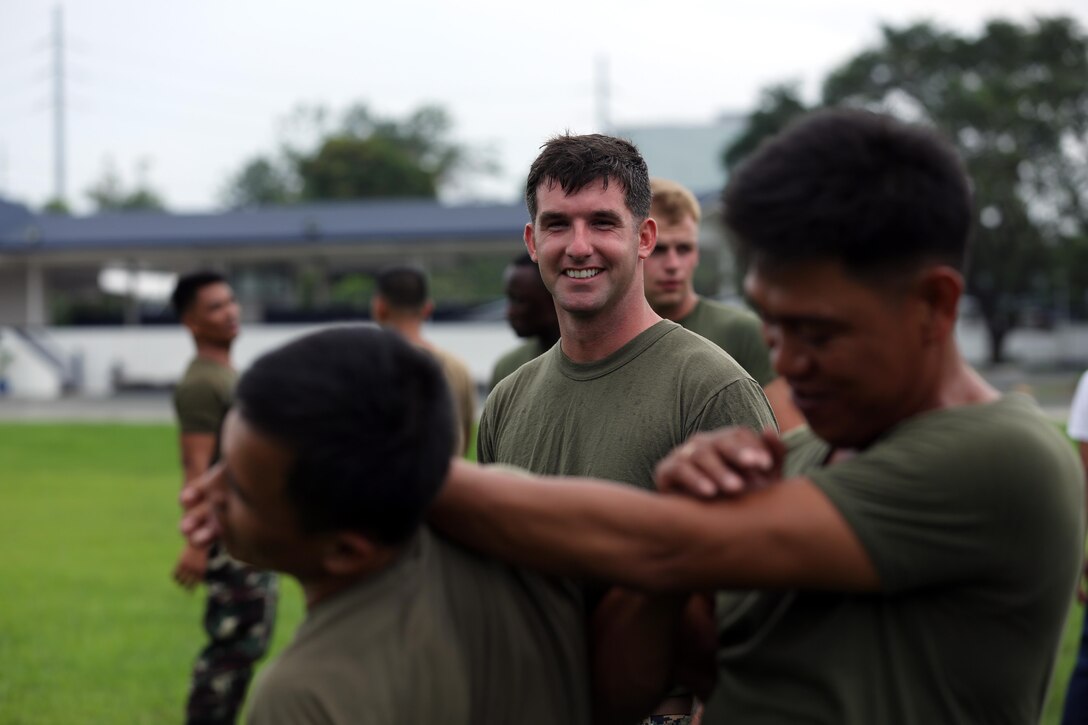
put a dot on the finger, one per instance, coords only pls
(674, 474)
(709, 463)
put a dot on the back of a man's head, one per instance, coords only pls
(876, 194)
(403, 288)
(672, 202)
(575, 162)
(188, 287)
(369, 421)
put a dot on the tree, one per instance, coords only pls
(260, 182)
(362, 156)
(778, 105)
(109, 192)
(1015, 103)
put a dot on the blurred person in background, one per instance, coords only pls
(530, 311)
(401, 302)
(241, 601)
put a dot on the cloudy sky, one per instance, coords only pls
(190, 90)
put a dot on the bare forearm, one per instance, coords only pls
(634, 645)
(571, 527)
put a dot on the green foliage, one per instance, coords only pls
(109, 193)
(56, 206)
(92, 628)
(1014, 101)
(363, 156)
(262, 181)
(778, 105)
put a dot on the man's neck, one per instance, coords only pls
(409, 329)
(679, 311)
(216, 353)
(586, 340)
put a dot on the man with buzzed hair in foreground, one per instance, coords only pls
(911, 556)
(332, 454)
(402, 303)
(530, 311)
(670, 289)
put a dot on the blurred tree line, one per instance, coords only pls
(1014, 100)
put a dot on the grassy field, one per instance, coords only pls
(92, 629)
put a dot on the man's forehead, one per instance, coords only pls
(553, 187)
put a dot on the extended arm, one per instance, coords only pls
(787, 535)
(197, 451)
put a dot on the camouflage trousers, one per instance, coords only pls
(238, 619)
(667, 720)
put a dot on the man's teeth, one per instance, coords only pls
(582, 273)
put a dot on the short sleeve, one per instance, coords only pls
(742, 402)
(957, 502)
(1078, 411)
(200, 408)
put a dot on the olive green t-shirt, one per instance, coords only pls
(442, 636)
(735, 330)
(514, 359)
(203, 396)
(617, 417)
(973, 517)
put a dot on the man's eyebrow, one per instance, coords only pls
(552, 216)
(606, 215)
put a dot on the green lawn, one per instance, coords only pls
(92, 629)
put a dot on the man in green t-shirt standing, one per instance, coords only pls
(241, 602)
(623, 386)
(531, 314)
(331, 456)
(911, 556)
(670, 289)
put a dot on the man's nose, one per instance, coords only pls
(790, 357)
(579, 245)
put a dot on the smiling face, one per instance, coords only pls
(589, 248)
(857, 356)
(670, 269)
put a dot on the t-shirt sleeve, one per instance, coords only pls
(750, 349)
(953, 504)
(1078, 411)
(742, 402)
(286, 701)
(199, 407)
(485, 433)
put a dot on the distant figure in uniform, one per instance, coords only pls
(402, 303)
(531, 313)
(241, 602)
(670, 289)
(336, 447)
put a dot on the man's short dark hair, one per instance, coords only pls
(187, 288)
(404, 287)
(874, 193)
(575, 162)
(369, 420)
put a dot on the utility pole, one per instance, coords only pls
(58, 105)
(603, 93)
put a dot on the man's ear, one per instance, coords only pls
(379, 310)
(940, 288)
(647, 237)
(530, 242)
(349, 553)
(428, 310)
